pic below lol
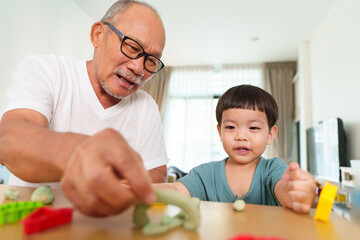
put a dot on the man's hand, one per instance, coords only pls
(296, 189)
(93, 178)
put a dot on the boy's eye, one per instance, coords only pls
(229, 127)
(254, 128)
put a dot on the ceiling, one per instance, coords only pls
(213, 32)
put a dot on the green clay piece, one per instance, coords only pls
(43, 194)
(166, 219)
(196, 201)
(189, 206)
(11, 194)
(189, 217)
(239, 205)
(14, 211)
(154, 229)
(140, 217)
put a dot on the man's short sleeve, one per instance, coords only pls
(32, 86)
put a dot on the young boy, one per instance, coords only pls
(246, 117)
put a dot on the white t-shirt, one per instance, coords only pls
(60, 89)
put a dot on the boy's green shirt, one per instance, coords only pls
(208, 182)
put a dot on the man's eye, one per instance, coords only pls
(151, 61)
(131, 48)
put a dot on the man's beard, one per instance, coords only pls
(138, 82)
(119, 74)
(107, 90)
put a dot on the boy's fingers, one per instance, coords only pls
(300, 207)
(294, 166)
(302, 185)
(286, 174)
(300, 174)
(301, 197)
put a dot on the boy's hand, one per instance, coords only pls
(296, 189)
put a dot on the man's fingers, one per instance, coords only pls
(137, 178)
(111, 190)
(88, 205)
(96, 172)
(128, 164)
(97, 200)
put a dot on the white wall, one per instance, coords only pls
(40, 27)
(303, 88)
(335, 70)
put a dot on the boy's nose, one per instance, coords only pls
(240, 136)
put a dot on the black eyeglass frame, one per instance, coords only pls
(123, 37)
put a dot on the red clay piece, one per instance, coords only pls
(251, 237)
(45, 217)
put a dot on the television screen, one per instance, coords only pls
(326, 149)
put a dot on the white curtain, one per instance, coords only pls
(278, 78)
(189, 118)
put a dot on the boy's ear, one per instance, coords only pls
(272, 134)
(97, 29)
(219, 131)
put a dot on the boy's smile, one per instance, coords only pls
(245, 134)
(242, 150)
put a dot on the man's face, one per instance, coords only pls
(118, 75)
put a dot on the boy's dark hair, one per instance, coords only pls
(248, 97)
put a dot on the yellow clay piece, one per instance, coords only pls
(326, 201)
(189, 216)
(159, 204)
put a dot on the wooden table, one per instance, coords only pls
(219, 221)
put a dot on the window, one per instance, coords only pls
(189, 118)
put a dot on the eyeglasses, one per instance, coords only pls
(133, 50)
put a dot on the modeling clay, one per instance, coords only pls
(45, 218)
(239, 205)
(326, 201)
(11, 194)
(140, 217)
(189, 217)
(43, 194)
(251, 237)
(14, 211)
(164, 226)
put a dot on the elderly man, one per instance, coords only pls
(85, 123)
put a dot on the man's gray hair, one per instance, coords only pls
(118, 7)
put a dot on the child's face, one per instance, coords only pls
(245, 134)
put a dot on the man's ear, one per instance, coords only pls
(272, 135)
(219, 131)
(97, 31)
